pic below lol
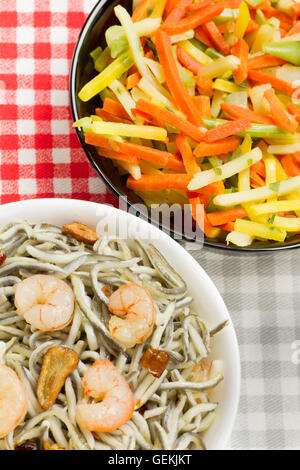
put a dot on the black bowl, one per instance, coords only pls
(82, 70)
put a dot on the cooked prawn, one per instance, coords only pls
(104, 382)
(46, 302)
(137, 303)
(13, 400)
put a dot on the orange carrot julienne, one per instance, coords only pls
(170, 5)
(137, 151)
(227, 129)
(173, 79)
(223, 217)
(216, 37)
(187, 155)
(110, 117)
(132, 80)
(198, 6)
(187, 60)
(141, 11)
(203, 103)
(262, 61)
(278, 114)
(159, 182)
(297, 157)
(252, 26)
(178, 12)
(201, 36)
(256, 180)
(117, 156)
(218, 148)
(114, 107)
(200, 216)
(171, 118)
(241, 51)
(262, 77)
(194, 20)
(228, 227)
(260, 168)
(294, 110)
(213, 189)
(205, 84)
(290, 166)
(240, 112)
(294, 30)
(147, 118)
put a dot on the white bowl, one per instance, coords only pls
(207, 299)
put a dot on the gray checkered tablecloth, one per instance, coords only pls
(262, 294)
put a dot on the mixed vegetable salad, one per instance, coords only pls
(201, 106)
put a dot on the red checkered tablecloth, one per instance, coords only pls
(40, 152)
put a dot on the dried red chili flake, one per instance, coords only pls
(155, 361)
(27, 445)
(2, 257)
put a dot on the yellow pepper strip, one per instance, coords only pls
(105, 78)
(275, 206)
(159, 9)
(128, 130)
(271, 174)
(228, 87)
(287, 223)
(242, 21)
(260, 230)
(195, 52)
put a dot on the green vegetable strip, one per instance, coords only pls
(287, 50)
(105, 78)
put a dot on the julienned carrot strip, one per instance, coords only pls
(241, 51)
(141, 12)
(110, 117)
(239, 112)
(294, 30)
(228, 227)
(294, 110)
(151, 155)
(252, 26)
(290, 166)
(203, 103)
(114, 107)
(280, 15)
(173, 79)
(178, 12)
(171, 118)
(132, 80)
(205, 84)
(213, 189)
(201, 36)
(117, 156)
(198, 6)
(256, 180)
(194, 20)
(137, 151)
(223, 217)
(147, 119)
(260, 168)
(187, 60)
(297, 157)
(278, 114)
(227, 129)
(187, 155)
(216, 37)
(262, 77)
(159, 182)
(200, 216)
(170, 5)
(262, 61)
(218, 148)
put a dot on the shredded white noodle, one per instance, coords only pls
(172, 411)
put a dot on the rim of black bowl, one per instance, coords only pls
(102, 4)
